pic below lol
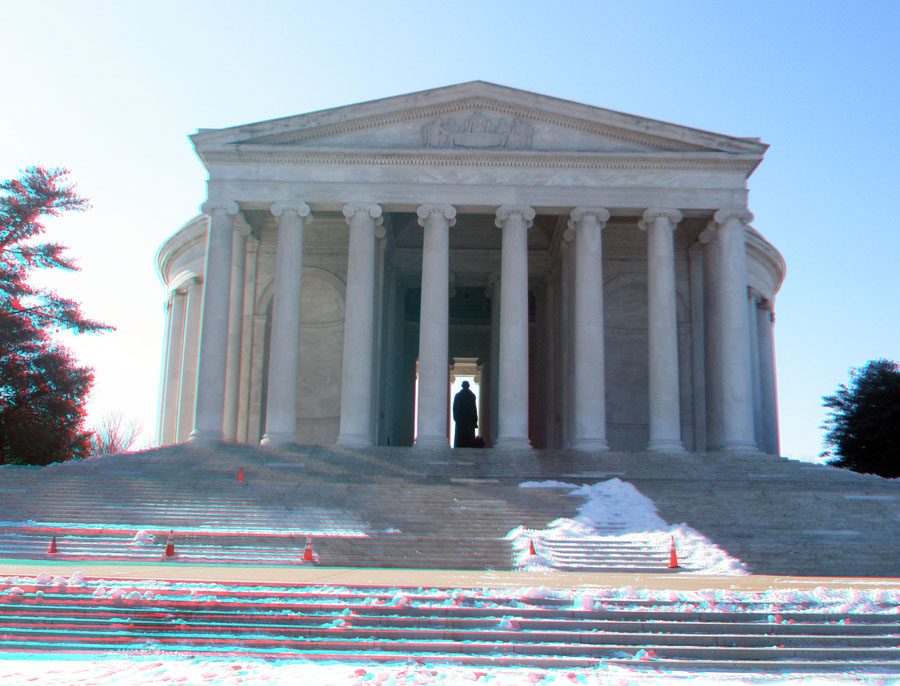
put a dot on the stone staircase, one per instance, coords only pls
(432, 626)
(604, 554)
(408, 507)
(359, 511)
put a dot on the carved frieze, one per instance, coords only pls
(478, 130)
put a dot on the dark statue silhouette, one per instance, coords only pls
(465, 414)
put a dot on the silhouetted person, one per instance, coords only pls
(465, 414)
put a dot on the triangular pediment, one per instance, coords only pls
(475, 116)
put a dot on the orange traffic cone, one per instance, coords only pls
(241, 475)
(52, 547)
(170, 545)
(308, 555)
(673, 556)
(531, 550)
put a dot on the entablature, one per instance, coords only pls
(545, 199)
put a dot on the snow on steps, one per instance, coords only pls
(778, 516)
(433, 626)
(373, 550)
(356, 520)
(604, 554)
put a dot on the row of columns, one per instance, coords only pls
(214, 402)
(585, 228)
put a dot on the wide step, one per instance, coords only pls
(431, 625)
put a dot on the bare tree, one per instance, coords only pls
(114, 433)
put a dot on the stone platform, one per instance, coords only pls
(437, 509)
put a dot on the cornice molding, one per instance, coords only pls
(696, 162)
(191, 232)
(769, 255)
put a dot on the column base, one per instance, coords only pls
(275, 440)
(590, 445)
(205, 437)
(354, 441)
(665, 445)
(512, 443)
(431, 442)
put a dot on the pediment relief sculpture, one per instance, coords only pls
(478, 130)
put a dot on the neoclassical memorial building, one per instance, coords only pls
(597, 270)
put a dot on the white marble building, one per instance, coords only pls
(599, 269)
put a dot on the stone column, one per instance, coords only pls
(753, 299)
(434, 326)
(188, 379)
(567, 343)
(235, 329)
(585, 227)
(379, 363)
(483, 379)
(493, 292)
(765, 325)
(161, 393)
(665, 409)
(698, 347)
(247, 377)
(168, 418)
(551, 359)
(209, 402)
(512, 432)
(736, 396)
(712, 330)
(359, 324)
(284, 352)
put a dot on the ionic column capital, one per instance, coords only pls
(229, 206)
(579, 214)
(427, 210)
(186, 283)
(708, 233)
(351, 209)
(301, 208)
(178, 292)
(652, 214)
(741, 213)
(754, 295)
(241, 227)
(506, 211)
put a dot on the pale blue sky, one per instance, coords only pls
(112, 89)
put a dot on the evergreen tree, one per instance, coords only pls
(42, 389)
(863, 424)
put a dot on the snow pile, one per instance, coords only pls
(614, 510)
(616, 503)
